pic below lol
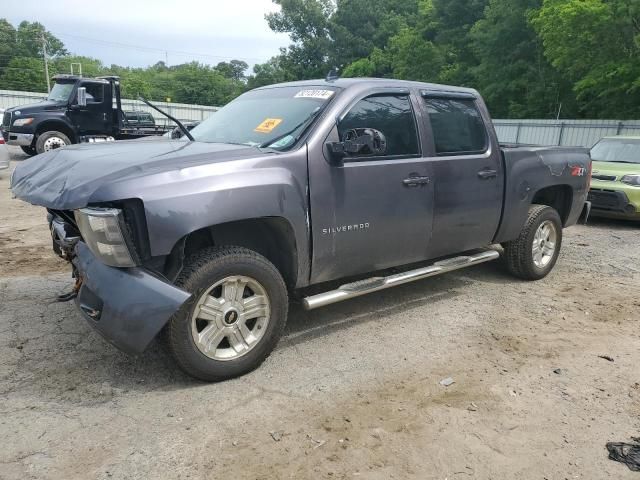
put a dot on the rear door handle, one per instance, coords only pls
(486, 174)
(415, 180)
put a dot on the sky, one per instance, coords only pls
(139, 33)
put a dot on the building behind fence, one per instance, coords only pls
(577, 133)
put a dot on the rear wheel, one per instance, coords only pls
(51, 140)
(31, 151)
(534, 253)
(235, 317)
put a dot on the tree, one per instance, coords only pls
(29, 41)
(234, 69)
(7, 42)
(269, 73)
(307, 23)
(91, 67)
(357, 27)
(24, 73)
(514, 76)
(595, 44)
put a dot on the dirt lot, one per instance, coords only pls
(352, 391)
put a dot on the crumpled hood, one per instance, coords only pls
(65, 179)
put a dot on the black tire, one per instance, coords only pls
(43, 137)
(201, 271)
(29, 151)
(519, 252)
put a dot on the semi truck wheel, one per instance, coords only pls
(51, 140)
(235, 317)
(29, 151)
(534, 253)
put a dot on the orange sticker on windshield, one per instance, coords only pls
(268, 125)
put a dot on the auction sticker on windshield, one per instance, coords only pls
(320, 94)
(268, 125)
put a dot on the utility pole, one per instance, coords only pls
(166, 58)
(46, 63)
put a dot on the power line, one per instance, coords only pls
(155, 49)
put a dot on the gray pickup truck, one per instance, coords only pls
(351, 185)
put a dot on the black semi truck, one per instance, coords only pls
(78, 109)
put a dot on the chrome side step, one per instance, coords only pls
(362, 287)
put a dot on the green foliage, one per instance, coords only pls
(511, 71)
(363, 67)
(7, 43)
(307, 23)
(269, 73)
(29, 38)
(22, 68)
(529, 58)
(595, 44)
(24, 73)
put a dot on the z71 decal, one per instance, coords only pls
(578, 171)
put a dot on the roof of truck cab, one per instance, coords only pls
(372, 82)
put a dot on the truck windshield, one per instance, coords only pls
(623, 150)
(60, 92)
(273, 117)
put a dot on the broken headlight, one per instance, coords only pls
(104, 232)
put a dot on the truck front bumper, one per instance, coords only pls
(127, 306)
(19, 139)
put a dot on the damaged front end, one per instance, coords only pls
(126, 303)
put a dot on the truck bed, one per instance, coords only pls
(566, 171)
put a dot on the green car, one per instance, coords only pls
(615, 184)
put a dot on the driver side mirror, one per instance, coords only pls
(358, 141)
(81, 97)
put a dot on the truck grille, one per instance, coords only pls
(6, 121)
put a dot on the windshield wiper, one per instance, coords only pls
(177, 122)
(286, 134)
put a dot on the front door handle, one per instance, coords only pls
(415, 180)
(486, 174)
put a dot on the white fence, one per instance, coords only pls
(574, 133)
(182, 111)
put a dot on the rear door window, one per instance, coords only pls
(390, 114)
(457, 126)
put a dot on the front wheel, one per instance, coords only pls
(51, 140)
(534, 253)
(234, 318)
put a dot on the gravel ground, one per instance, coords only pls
(352, 391)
